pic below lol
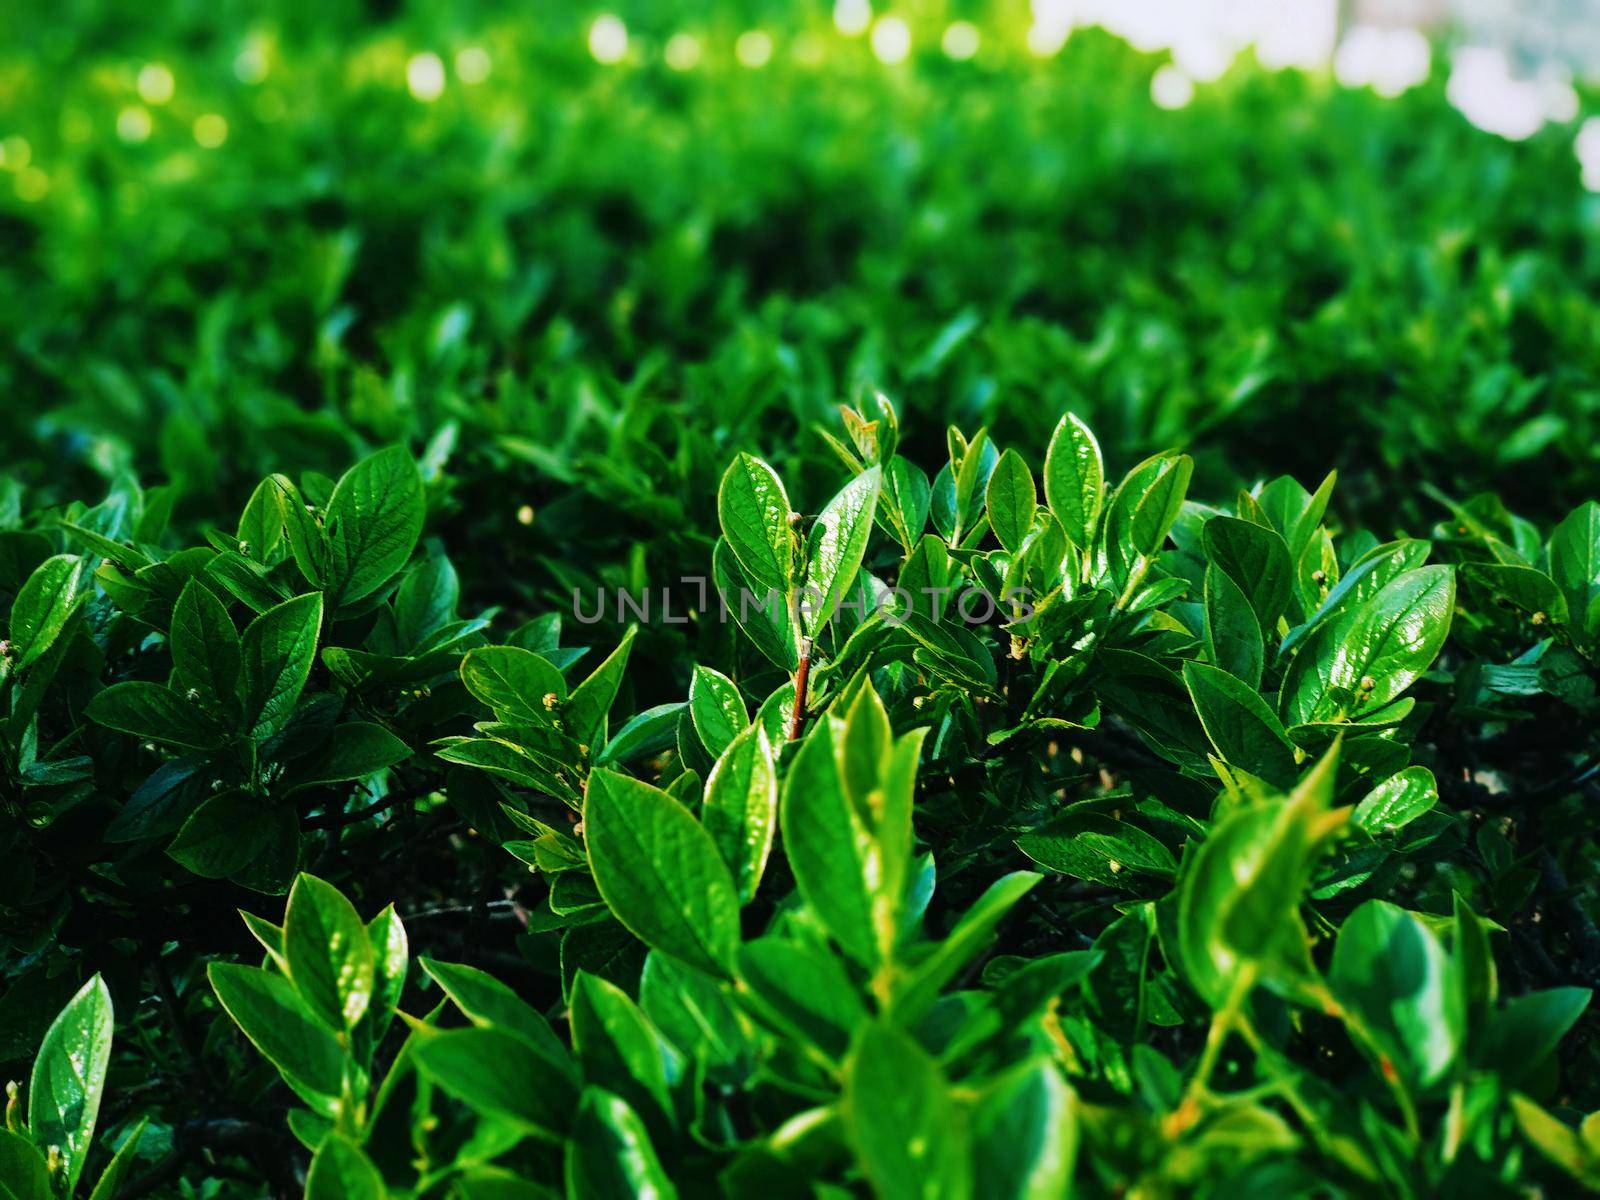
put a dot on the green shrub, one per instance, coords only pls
(1010, 823)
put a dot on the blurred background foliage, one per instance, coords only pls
(581, 255)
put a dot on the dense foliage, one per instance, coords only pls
(479, 719)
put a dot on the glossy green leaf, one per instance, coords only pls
(1025, 1135)
(155, 712)
(1010, 499)
(330, 957)
(500, 1075)
(43, 606)
(373, 521)
(69, 1078)
(1397, 801)
(519, 685)
(1391, 970)
(754, 511)
(717, 708)
(341, 1171)
(659, 871)
(1074, 479)
(1232, 631)
(277, 651)
(266, 1007)
(834, 549)
(1366, 657)
(741, 808)
(1240, 724)
(205, 647)
(609, 1155)
(588, 707)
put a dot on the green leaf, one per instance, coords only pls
(1011, 500)
(754, 511)
(490, 1004)
(1574, 557)
(225, 834)
(1025, 1134)
(609, 1155)
(1239, 893)
(763, 614)
(156, 712)
(265, 1006)
(44, 604)
(374, 519)
(717, 709)
(830, 849)
(1233, 633)
(617, 1047)
(500, 1075)
(834, 550)
(644, 734)
(109, 1185)
(905, 501)
(1527, 1031)
(1257, 560)
(205, 647)
(341, 1171)
(1391, 970)
(1074, 480)
(1397, 801)
(1240, 724)
(801, 990)
(1157, 509)
(1362, 659)
(330, 957)
(901, 1118)
(355, 750)
(916, 993)
(741, 808)
(659, 871)
(516, 683)
(23, 1170)
(589, 705)
(69, 1077)
(278, 648)
(1092, 846)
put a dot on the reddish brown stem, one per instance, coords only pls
(802, 676)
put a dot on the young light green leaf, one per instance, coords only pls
(264, 1005)
(1011, 500)
(835, 548)
(330, 957)
(716, 708)
(830, 848)
(901, 1118)
(1025, 1134)
(69, 1077)
(1389, 967)
(741, 805)
(659, 871)
(341, 1171)
(1074, 480)
(43, 606)
(754, 511)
